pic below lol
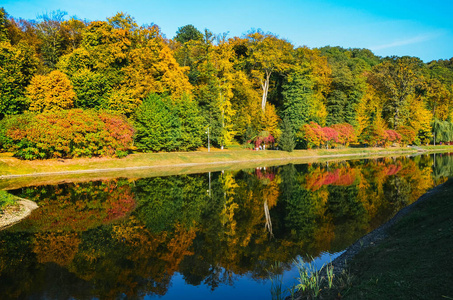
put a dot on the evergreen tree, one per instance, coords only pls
(298, 99)
(286, 140)
(157, 127)
(188, 33)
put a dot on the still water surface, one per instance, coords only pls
(215, 235)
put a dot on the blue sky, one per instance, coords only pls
(400, 27)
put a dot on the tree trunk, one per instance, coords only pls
(267, 215)
(265, 87)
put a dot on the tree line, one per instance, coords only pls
(170, 91)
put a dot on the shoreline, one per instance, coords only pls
(192, 164)
(13, 214)
(379, 234)
(196, 159)
(374, 238)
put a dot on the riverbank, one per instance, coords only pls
(409, 257)
(13, 214)
(15, 172)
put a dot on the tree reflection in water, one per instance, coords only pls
(116, 238)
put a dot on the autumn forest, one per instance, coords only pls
(72, 88)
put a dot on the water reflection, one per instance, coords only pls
(133, 238)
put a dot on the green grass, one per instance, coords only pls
(415, 261)
(160, 164)
(6, 200)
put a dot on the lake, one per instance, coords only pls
(216, 235)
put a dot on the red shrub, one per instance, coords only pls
(68, 133)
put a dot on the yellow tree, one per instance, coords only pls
(369, 108)
(396, 79)
(153, 69)
(50, 92)
(222, 57)
(267, 54)
(420, 120)
(246, 104)
(321, 74)
(271, 121)
(438, 99)
(72, 33)
(173, 77)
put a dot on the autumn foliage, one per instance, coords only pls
(66, 134)
(51, 92)
(315, 136)
(237, 87)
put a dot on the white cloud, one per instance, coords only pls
(408, 41)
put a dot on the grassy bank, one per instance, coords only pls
(6, 200)
(414, 262)
(15, 172)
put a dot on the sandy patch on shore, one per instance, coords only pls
(15, 213)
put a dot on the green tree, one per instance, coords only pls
(18, 65)
(298, 99)
(442, 131)
(188, 33)
(286, 140)
(156, 124)
(348, 84)
(267, 54)
(396, 80)
(50, 33)
(190, 122)
(3, 25)
(92, 89)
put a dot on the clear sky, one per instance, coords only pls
(400, 27)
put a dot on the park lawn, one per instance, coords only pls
(13, 166)
(415, 261)
(15, 173)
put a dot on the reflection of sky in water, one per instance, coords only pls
(247, 287)
(324, 259)
(103, 215)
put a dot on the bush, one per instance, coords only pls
(66, 134)
(14, 125)
(165, 124)
(346, 133)
(312, 135)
